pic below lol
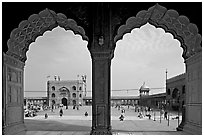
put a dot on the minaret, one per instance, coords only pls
(48, 87)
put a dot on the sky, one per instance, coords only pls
(141, 56)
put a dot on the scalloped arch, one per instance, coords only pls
(36, 25)
(179, 26)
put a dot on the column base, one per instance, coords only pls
(101, 131)
(181, 125)
(180, 128)
(192, 129)
(15, 129)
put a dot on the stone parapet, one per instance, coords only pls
(176, 78)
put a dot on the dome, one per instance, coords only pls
(144, 87)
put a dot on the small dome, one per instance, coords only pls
(144, 87)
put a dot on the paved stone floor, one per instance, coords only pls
(73, 122)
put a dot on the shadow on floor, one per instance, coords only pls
(43, 125)
(151, 132)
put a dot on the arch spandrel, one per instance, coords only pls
(170, 20)
(36, 25)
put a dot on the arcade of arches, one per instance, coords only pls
(106, 25)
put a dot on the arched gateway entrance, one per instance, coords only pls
(64, 101)
(103, 33)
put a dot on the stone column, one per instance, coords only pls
(101, 97)
(193, 121)
(101, 47)
(13, 98)
(180, 127)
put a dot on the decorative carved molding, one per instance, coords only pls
(100, 113)
(170, 21)
(101, 55)
(36, 25)
(14, 95)
(102, 131)
(13, 62)
(9, 94)
(100, 81)
(14, 75)
(194, 59)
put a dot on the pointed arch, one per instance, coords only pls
(178, 25)
(64, 89)
(36, 25)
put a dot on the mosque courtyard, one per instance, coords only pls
(74, 122)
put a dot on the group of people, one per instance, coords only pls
(122, 116)
(61, 113)
(143, 111)
(163, 112)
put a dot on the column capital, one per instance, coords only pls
(194, 58)
(13, 61)
(102, 55)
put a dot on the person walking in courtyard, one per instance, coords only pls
(162, 112)
(61, 112)
(123, 111)
(122, 116)
(140, 115)
(86, 114)
(52, 108)
(144, 111)
(165, 115)
(46, 115)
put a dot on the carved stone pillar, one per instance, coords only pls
(12, 108)
(101, 111)
(101, 48)
(193, 121)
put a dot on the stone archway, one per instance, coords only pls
(73, 102)
(36, 25)
(175, 99)
(175, 93)
(64, 101)
(14, 61)
(53, 102)
(179, 26)
(102, 22)
(187, 33)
